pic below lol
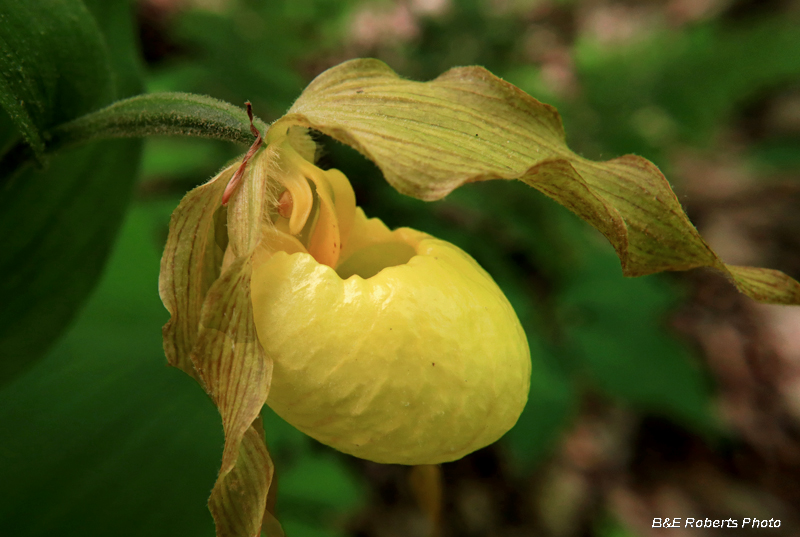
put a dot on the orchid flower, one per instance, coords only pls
(389, 345)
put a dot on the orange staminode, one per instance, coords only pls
(285, 204)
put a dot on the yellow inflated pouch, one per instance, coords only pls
(392, 346)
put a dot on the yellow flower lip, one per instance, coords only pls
(421, 363)
(403, 351)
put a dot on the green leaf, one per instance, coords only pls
(467, 125)
(99, 434)
(58, 224)
(115, 22)
(55, 65)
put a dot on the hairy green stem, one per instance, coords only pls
(155, 114)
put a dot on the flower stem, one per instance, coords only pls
(155, 114)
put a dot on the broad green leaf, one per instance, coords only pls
(99, 434)
(57, 227)
(55, 65)
(58, 223)
(115, 21)
(467, 125)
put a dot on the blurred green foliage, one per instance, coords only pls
(682, 86)
(250, 51)
(100, 437)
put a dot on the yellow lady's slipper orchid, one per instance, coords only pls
(389, 345)
(392, 346)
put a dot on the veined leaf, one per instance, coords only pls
(467, 125)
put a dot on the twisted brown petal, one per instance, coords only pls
(190, 265)
(236, 373)
(467, 125)
(239, 498)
